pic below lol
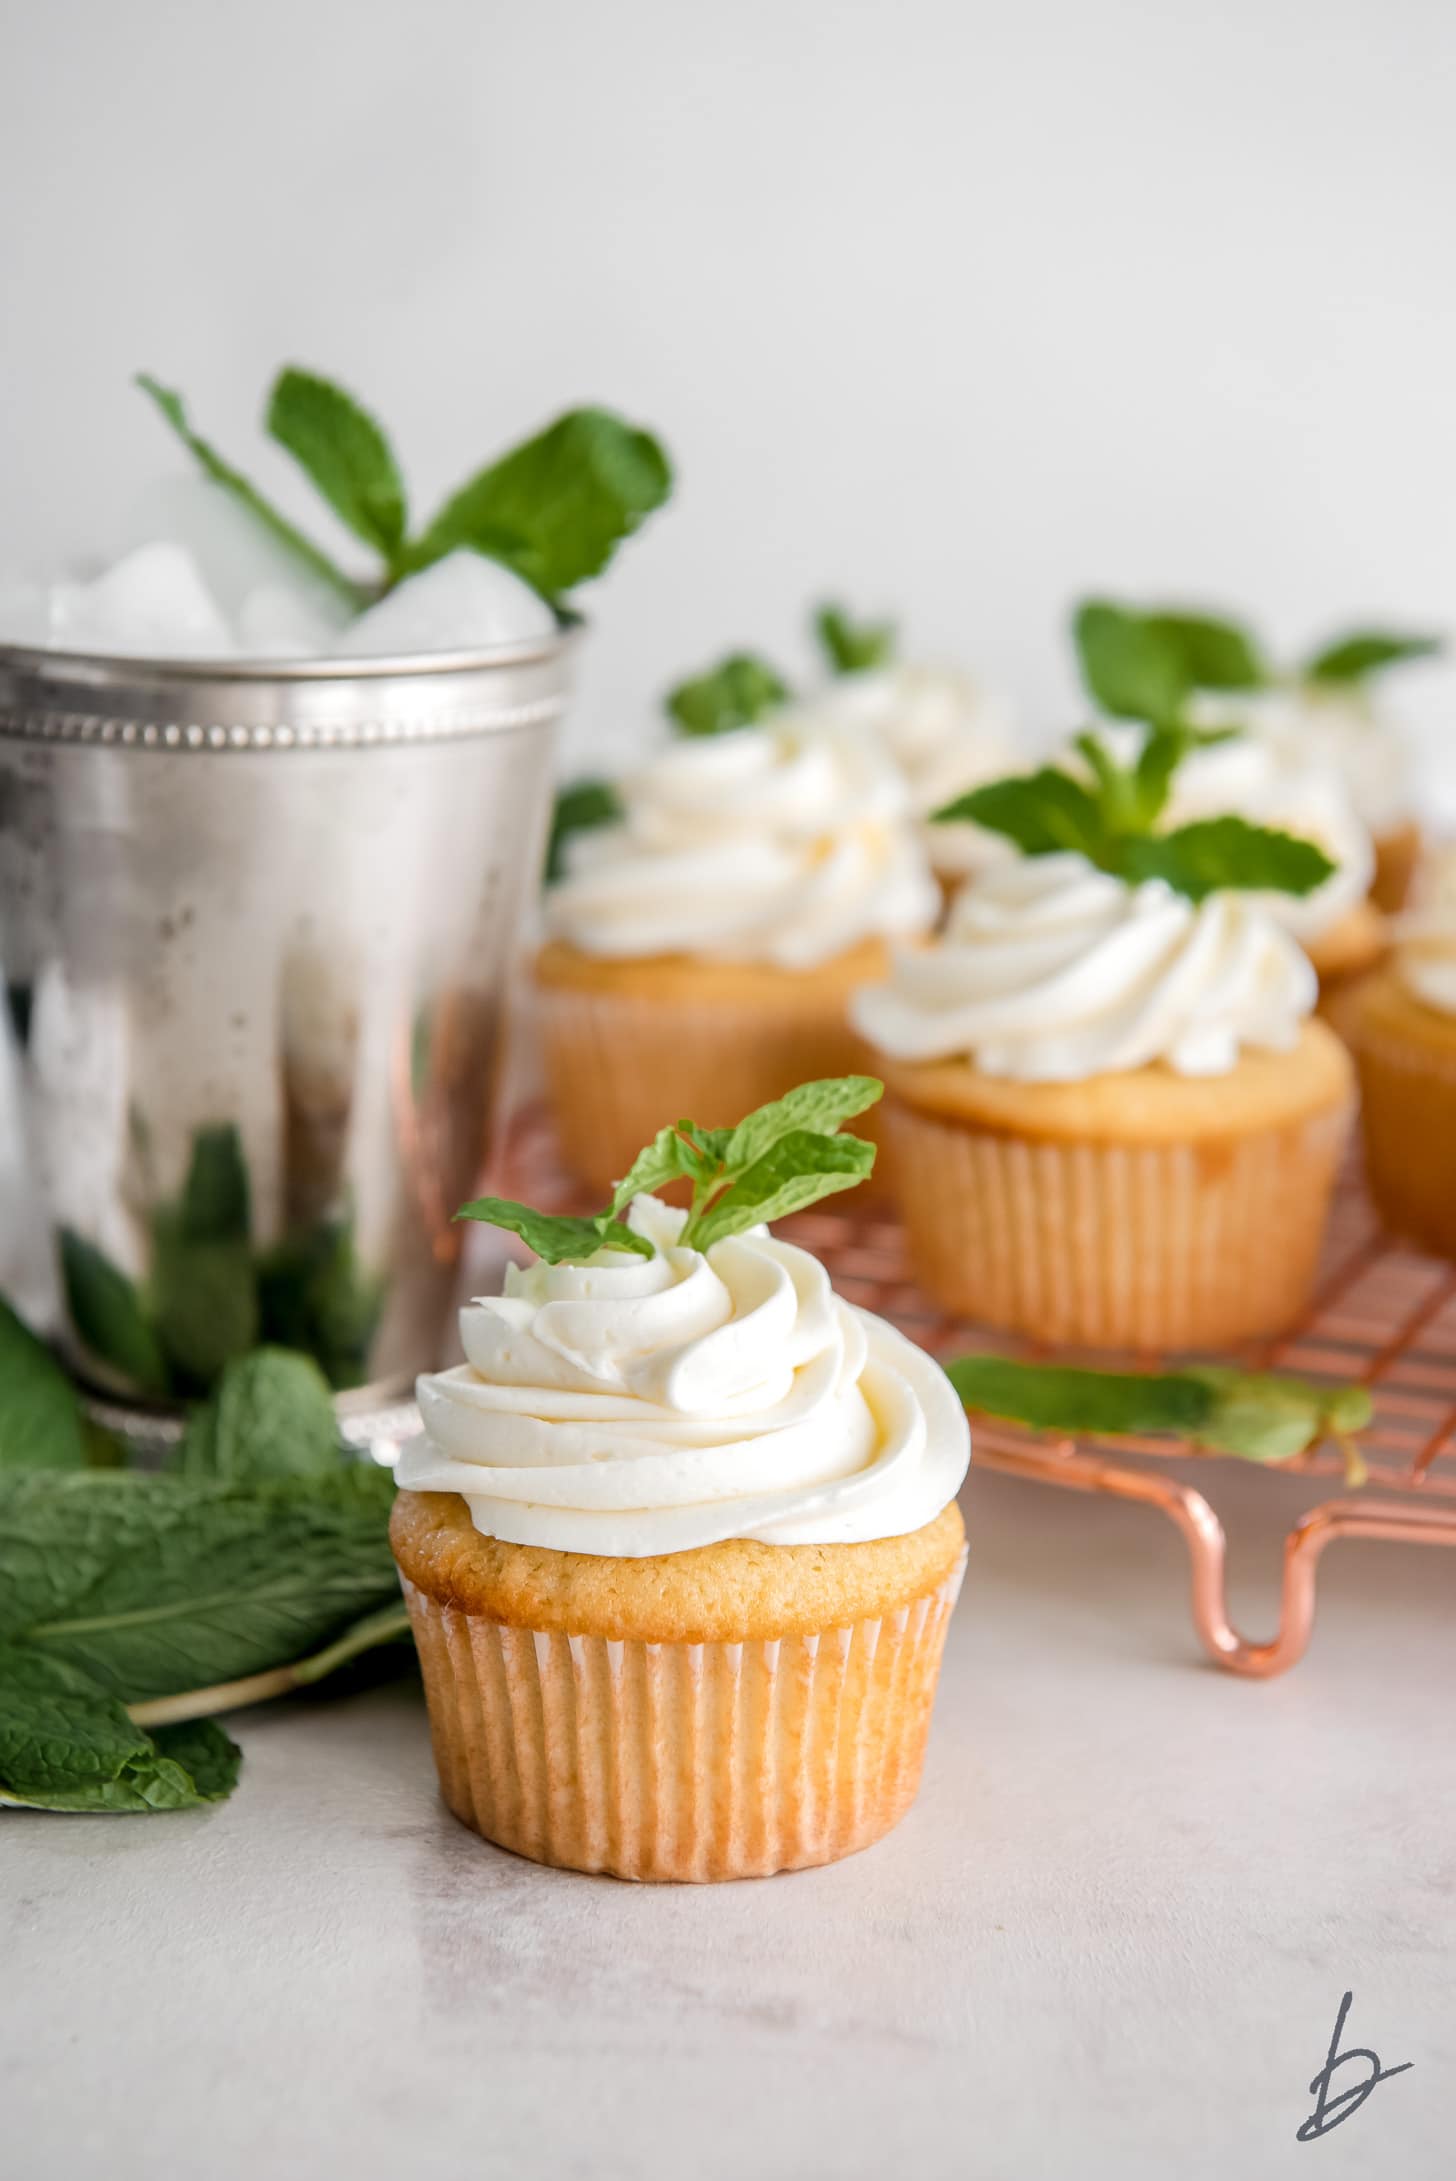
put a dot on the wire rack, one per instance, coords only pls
(1382, 1315)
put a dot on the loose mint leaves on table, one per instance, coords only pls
(1258, 1415)
(131, 1604)
(1112, 817)
(780, 1159)
(553, 509)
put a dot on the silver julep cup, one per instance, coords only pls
(257, 924)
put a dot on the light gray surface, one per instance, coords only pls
(1110, 1939)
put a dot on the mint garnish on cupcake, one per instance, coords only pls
(850, 646)
(1148, 665)
(737, 692)
(552, 509)
(1112, 817)
(781, 1158)
(1353, 658)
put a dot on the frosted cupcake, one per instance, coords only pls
(943, 731)
(703, 942)
(1111, 1119)
(680, 1541)
(1404, 1034)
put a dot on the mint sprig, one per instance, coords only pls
(553, 509)
(738, 691)
(781, 1158)
(1146, 666)
(1353, 658)
(1112, 820)
(850, 646)
(580, 807)
(1258, 1416)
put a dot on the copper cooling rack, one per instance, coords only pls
(1382, 1315)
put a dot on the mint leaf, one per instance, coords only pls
(41, 1424)
(1044, 812)
(314, 1294)
(1268, 1418)
(209, 1757)
(1258, 1416)
(1351, 658)
(579, 808)
(853, 647)
(1216, 654)
(670, 1156)
(390, 1624)
(793, 1173)
(158, 1584)
(342, 450)
(66, 1744)
(735, 693)
(270, 1416)
(555, 1238)
(171, 407)
(1131, 668)
(1215, 854)
(1057, 1397)
(204, 1300)
(555, 508)
(216, 1199)
(819, 1107)
(106, 1312)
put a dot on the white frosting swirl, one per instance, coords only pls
(944, 734)
(1251, 776)
(1425, 959)
(1331, 726)
(781, 843)
(1052, 971)
(633, 1406)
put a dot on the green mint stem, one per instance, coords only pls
(384, 1626)
(355, 595)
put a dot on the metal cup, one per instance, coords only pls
(257, 924)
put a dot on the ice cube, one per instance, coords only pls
(236, 553)
(153, 603)
(462, 603)
(278, 621)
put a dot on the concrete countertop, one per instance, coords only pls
(1111, 1938)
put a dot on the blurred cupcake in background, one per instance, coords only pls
(1111, 1119)
(942, 730)
(1205, 678)
(711, 913)
(1404, 1034)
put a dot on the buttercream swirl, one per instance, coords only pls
(1053, 971)
(1331, 726)
(633, 1406)
(780, 843)
(944, 734)
(1252, 777)
(1425, 957)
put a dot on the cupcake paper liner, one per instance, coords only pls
(619, 1065)
(687, 1761)
(1408, 1111)
(1116, 1246)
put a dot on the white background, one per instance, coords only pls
(958, 308)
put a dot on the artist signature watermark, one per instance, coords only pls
(1331, 2106)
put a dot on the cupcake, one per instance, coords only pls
(1404, 1035)
(1110, 1118)
(702, 944)
(941, 730)
(679, 1540)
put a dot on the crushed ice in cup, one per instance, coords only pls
(152, 602)
(162, 601)
(460, 604)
